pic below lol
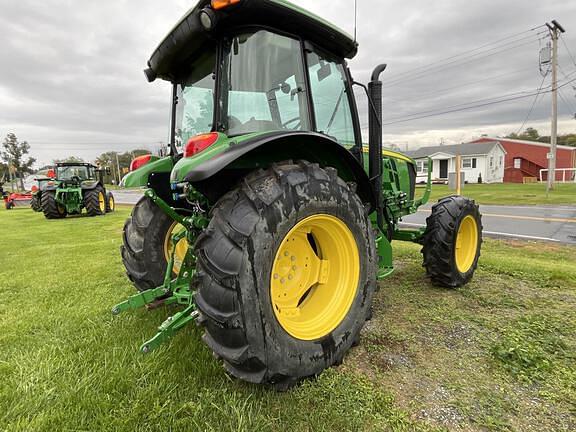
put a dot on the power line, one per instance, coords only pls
(466, 60)
(489, 99)
(568, 104)
(494, 102)
(410, 71)
(446, 90)
(567, 49)
(533, 105)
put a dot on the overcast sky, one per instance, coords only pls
(71, 80)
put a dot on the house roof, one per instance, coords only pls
(467, 149)
(533, 143)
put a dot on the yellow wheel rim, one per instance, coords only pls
(181, 247)
(314, 277)
(466, 244)
(101, 202)
(111, 203)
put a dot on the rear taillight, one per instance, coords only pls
(139, 162)
(199, 143)
(221, 4)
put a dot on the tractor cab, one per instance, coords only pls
(75, 173)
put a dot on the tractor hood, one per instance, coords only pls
(189, 37)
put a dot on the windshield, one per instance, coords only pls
(263, 88)
(195, 109)
(66, 173)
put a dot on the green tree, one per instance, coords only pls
(14, 155)
(532, 134)
(108, 159)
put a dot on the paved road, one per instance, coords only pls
(557, 224)
(127, 196)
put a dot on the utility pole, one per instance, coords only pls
(118, 168)
(555, 30)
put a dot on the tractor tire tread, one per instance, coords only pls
(235, 327)
(439, 238)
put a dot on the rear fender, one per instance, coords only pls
(90, 185)
(215, 176)
(140, 177)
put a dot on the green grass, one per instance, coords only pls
(497, 354)
(511, 193)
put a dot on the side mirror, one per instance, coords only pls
(108, 171)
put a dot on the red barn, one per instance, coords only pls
(527, 158)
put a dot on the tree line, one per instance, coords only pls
(532, 134)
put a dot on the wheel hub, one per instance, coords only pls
(314, 277)
(466, 244)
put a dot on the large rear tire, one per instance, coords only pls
(452, 241)
(147, 245)
(95, 201)
(286, 273)
(51, 208)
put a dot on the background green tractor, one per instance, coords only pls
(77, 186)
(274, 222)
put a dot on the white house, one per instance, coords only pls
(479, 160)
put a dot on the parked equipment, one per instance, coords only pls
(42, 183)
(274, 223)
(77, 186)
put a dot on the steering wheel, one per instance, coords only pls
(295, 119)
(76, 179)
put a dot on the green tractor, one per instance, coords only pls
(273, 224)
(77, 186)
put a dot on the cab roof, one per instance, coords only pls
(189, 37)
(73, 164)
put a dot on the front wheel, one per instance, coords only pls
(452, 241)
(35, 203)
(110, 203)
(95, 201)
(286, 274)
(51, 208)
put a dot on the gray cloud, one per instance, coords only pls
(71, 73)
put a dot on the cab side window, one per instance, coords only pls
(330, 98)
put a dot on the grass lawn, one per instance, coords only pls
(510, 193)
(496, 355)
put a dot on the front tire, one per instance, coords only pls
(50, 207)
(110, 203)
(35, 203)
(95, 201)
(452, 241)
(271, 231)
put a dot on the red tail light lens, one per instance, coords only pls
(51, 173)
(199, 143)
(139, 162)
(221, 4)
(34, 188)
